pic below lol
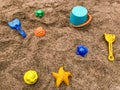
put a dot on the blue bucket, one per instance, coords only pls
(78, 15)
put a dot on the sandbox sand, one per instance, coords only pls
(57, 48)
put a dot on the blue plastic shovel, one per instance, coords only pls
(16, 24)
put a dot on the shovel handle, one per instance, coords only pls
(110, 56)
(22, 33)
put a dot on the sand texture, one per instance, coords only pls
(57, 48)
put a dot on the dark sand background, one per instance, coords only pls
(57, 48)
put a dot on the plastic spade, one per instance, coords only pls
(16, 24)
(110, 38)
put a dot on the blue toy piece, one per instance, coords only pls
(16, 24)
(81, 50)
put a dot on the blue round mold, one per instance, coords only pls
(78, 15)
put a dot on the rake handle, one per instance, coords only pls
(110, 56)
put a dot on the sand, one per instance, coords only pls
(57, 48)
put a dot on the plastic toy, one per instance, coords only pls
(30, 77)
(81, 50)
(39, 32)
(39, 13)
(61, 76)
(16, 24)
(110, 38)
(80, 17)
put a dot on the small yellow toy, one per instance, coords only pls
(30, 77)
(110, 38)
(61, 76)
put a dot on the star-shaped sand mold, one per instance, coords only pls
(61, 76)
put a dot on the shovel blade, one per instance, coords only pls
(14, 23)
